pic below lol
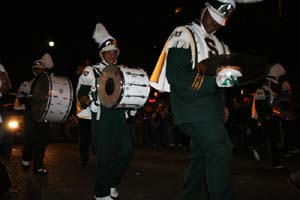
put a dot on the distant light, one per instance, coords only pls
(51, 44)
(13, 124)
(152, 100)
(178, 9)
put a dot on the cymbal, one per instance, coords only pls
(252, 67)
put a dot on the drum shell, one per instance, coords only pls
(52, 98)
(131, 87)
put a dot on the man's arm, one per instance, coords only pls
(5, 85)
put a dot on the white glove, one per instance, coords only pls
(132, 112)
(227, 77)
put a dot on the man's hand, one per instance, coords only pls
(132, 112)
(228, 77)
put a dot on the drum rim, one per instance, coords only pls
(121, 90)
(122, 84)
(50, 79)
(71, 99)
(42, 117)
(101, 87)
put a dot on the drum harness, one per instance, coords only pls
(95, 106)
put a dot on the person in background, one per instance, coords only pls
(5, 84)
(287, 102)
(198, 100)
(84, 125)
(5, 181)
(35, 133)
(263, 109)
(111, 137)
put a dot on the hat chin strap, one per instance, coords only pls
(104, 61)
(219, 19)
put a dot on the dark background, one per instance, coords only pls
(265, 29)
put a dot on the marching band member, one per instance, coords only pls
(111, 138)
(5, 84)
(198, 99)
(262, 110)
(35, 133)
(84, 117)
(5, 181)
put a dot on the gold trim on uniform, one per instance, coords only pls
(198, 80)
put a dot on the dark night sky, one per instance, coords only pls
(140, 28)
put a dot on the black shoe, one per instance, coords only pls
(41, 171)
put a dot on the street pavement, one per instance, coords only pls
(153, 174)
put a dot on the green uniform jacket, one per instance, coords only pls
(194, 96)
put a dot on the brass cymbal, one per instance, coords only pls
(252, 67)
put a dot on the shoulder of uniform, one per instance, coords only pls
(88, 68)
(181, 30)
(180, 38)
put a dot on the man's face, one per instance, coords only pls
(110, 56)
(209, 23)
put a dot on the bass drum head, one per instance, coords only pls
(40, 96)
(110, 86)
(52, 98)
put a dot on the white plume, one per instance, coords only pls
(277, 70)
(248, 1)
(46, 60)
(101, 34)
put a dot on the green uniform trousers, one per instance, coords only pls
(113, 147)
(36, 136)
(211, 157)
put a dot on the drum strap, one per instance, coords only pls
(94, 93)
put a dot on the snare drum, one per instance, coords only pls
(52, 98)
(123, 87)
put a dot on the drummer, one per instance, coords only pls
(35, 133)
(110, 133)
(5, 180)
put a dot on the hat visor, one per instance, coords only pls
(109, 48)
(217, 17)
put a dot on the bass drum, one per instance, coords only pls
(52, 98)
(123, 87)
